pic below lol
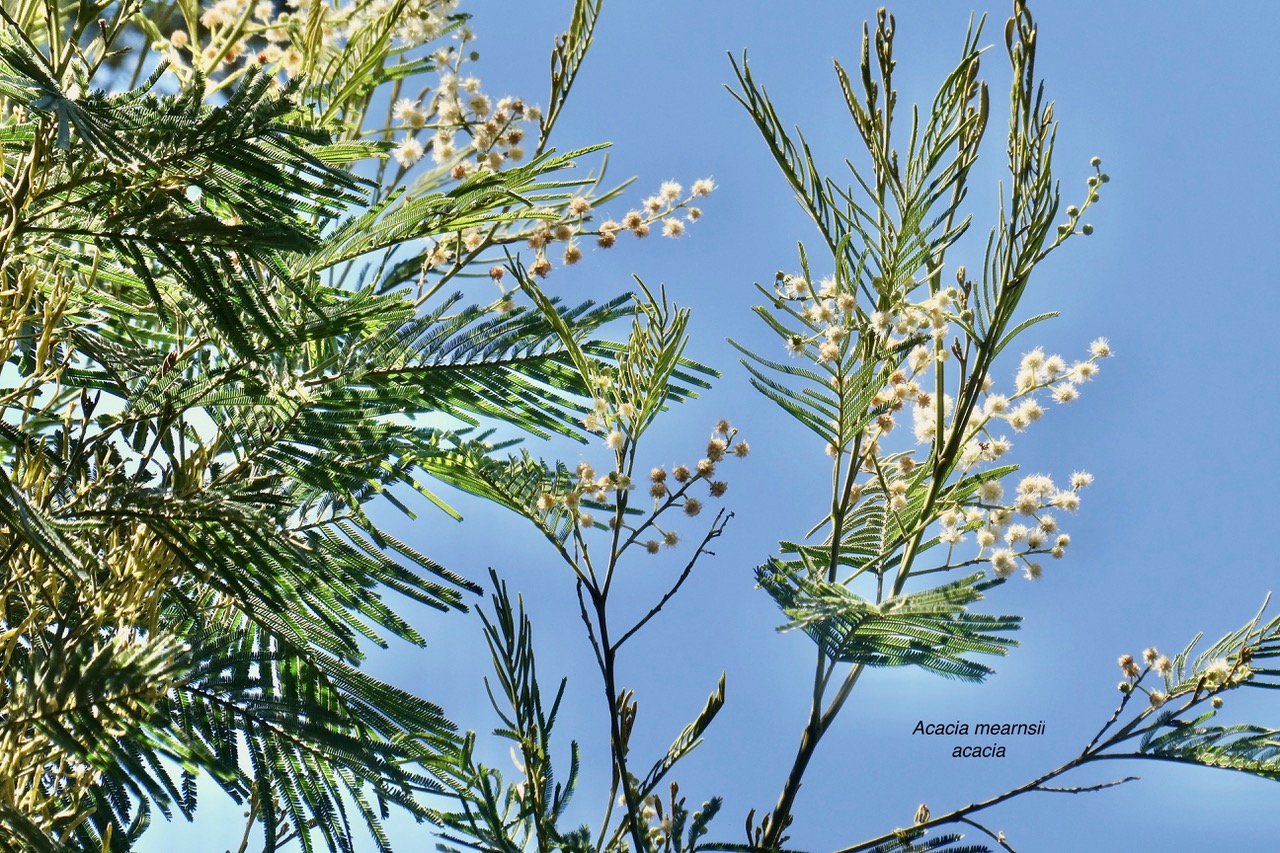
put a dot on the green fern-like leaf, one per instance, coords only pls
(932, 629)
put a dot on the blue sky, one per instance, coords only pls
(1179, 99)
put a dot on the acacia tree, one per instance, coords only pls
(222, 316)
(220, 325)
(879, 326)
(887, 332)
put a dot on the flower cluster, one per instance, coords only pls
(1214, 677)
(239, 33)
(1073, 225)
(660, 824)
(1036, 372)
(568, 225)
(464, 129)
(1009, 533)
(576, 222)
(587, 486)
(610, 414)
(830, 312)
(664, 824)
(452, 123)
(455, 121)
(834, 320)
(1005, 541)
(668, 489)
(1009, 530)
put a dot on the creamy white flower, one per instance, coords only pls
(408, 152)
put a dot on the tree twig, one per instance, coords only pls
(997, 837)
(1088, 788)
(717, 527)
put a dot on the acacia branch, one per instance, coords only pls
(997, 837)
(717, 527)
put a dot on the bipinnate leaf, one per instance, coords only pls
(687, 741)
(932, 629)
